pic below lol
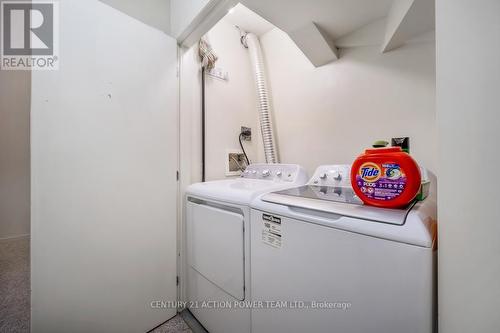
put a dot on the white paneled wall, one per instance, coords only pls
(468, 100)
(104, 189)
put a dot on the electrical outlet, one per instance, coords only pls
(246, 133)
(235, 162)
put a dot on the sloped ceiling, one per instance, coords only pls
(248, 21)
(319, 27)
(335, 17)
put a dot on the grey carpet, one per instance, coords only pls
(14, 285)
(174, 325)
(192, 322)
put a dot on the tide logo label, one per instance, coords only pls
(370, 172)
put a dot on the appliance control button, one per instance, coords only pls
(337, 175)
(279, 173)
(266, 173)
(323, 175)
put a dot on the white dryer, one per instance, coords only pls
(218, 243)
(323, 262)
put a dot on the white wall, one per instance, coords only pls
(104, 160)
(329, 114)
(15, 87)
(155, 13)
(183, 12)
(229, 104)
(190, 117)
(322, 115)
(468, 99)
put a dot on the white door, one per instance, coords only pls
(104, 161)
(216, 247)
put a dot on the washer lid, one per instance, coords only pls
(238, 191)
(257, 179)
(336, 200)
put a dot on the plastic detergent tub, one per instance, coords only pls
(386, 177)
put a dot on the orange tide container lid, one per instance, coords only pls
(386, 177)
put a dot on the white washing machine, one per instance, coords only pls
(324, 262)
(218, 243)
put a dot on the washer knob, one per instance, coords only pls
(323, 175)
(266, 173)
(279, 173)
(337, 175)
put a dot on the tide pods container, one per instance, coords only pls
(386, 177)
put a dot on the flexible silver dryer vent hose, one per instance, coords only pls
(264, 105)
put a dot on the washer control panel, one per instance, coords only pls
(332, 175)
(276, 172)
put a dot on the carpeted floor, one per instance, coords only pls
(14, 285)
(174, 325)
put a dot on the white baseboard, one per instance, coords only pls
(15, 237)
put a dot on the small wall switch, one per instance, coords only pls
(218, 73)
